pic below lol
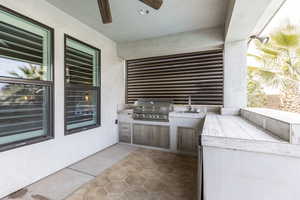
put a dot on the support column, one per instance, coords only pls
(235, 77)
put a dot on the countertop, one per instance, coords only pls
(181, 114)
(228, 126)
(175, 114)
(288, 117)
(236, 133)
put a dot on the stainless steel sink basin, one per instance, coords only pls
(190, 111)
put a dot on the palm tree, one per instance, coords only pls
(256, 95)
(16, 93)
(280, 65)
(31, 72)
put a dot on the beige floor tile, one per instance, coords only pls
(147, 175)
(59, 185)
(121, 172)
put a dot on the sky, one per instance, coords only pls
(290, 11)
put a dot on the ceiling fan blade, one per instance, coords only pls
(104, 8)
(156, 4)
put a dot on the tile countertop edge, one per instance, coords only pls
(281, 149)
(283, 116)
(275, 147)
(186, 115)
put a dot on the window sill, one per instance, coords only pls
(77, 130)
(25, 143)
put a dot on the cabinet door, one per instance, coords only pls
(187, 140)
(161, 137)
(142, 134)
(124, 132)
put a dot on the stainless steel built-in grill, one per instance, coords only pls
(152, 109)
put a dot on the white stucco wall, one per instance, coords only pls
(241, 175)
(235, 76)
(23, 166)
(199, 40)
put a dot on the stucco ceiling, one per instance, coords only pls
(175, 16)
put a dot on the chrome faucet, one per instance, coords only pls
(190, 103)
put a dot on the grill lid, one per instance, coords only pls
(152, 109)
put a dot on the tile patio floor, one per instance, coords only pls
(120, 172)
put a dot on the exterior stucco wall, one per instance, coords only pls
(23, 166)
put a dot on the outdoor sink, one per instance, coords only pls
(188, 114)
(190, 111)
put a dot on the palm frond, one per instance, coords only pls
(257, 57)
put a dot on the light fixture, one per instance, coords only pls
(143, 11)
(263, 40)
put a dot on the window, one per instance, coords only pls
(26, 80)
(274, 62)
(176, 77)
(82, 86)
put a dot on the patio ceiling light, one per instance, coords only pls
(105, 11)
(143, 11)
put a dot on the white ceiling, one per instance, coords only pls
(175, 16)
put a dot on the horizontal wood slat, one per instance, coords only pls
(198, 74)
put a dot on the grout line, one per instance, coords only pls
(82, 172)
(102, 150)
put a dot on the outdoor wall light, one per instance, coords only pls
(263, 40)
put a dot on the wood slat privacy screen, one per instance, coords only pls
(199, 75)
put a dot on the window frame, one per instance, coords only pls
(96, 88)
(47, 83)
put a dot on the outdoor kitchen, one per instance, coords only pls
(149, 100)
(160, 124)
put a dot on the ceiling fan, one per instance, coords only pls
(105, 12)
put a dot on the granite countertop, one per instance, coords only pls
(236, 133)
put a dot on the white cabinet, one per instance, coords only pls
(200, 174)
